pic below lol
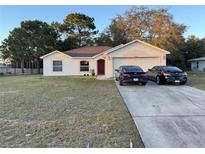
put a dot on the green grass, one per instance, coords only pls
(38, 111)
(196, 79)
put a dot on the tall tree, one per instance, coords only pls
(4, 50)
(153, 26)
(194, 47)
(78, 27)
(14, 47)
(30, 41)
(104, 39)
(41, 38)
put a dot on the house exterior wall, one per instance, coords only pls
(201, 66)
(70, 66)
(144, 63)
(134, 54)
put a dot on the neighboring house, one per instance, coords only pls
(4, 63)
(104, 60)
(197, 64)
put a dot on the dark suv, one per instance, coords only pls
(167, 74)
(131, 74)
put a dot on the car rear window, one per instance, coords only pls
(171, 69)
(132, 69)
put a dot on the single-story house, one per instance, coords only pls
(102, 59)
(197, 64)
(5, 63)
(2, 65)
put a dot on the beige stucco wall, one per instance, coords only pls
(71, 66)
(135, 54)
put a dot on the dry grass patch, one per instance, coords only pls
(63, 112)
(197, 79)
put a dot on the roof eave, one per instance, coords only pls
(56, 51)
(124, 45)
(108, 51)
(197, 59)
(165, 51)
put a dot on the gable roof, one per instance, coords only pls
(197, 59)
(152, 46)
(87, 51)
(56, 51)
(129, 43)
(95, 51)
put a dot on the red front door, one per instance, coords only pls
(101, 67)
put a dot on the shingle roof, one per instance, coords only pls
(197, 59)
(87, 51)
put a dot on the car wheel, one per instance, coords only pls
(182, 83)
(158, 80)
(144, 83)
(121, 82)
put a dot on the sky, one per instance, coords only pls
(11, 16)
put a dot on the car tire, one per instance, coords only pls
(158, 80)
(182, 83)
(121, 82)
(144, 83)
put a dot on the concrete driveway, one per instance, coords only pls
(168, 115)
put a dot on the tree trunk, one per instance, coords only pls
(79, 38)
(15, 68)
(38, 66)
(22, 66)
(31, 66)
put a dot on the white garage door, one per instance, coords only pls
(144, 63)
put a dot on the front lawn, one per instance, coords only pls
(38, 111)
(196, 79)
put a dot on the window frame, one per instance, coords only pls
(197, 65)
(84, 66)
(57, 66)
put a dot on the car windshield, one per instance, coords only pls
(132, 69)
(171, 69)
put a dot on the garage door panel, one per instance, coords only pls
(144, 63)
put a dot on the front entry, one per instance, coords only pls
(101, 66)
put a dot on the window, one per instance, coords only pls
(132, 69)
(84, 66)
(57, 66)
(171, 69)
(197, 65)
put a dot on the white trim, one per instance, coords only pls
(109, 50)
(139, 57)
(197, 59)
(124, 45)
(167, 52)
(56, 51)
(82, 57)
